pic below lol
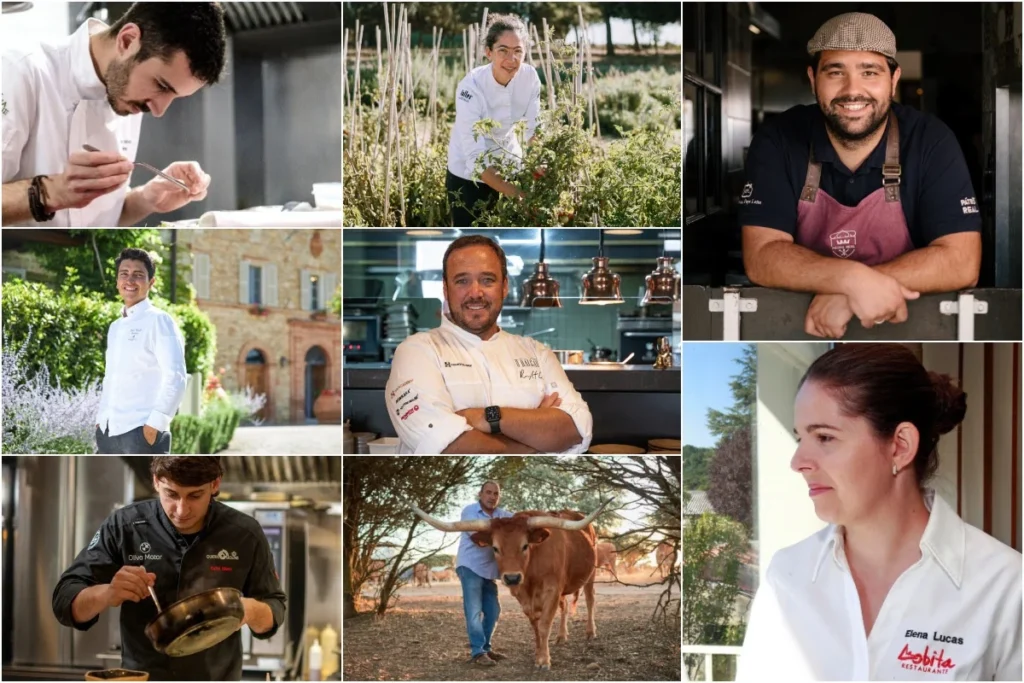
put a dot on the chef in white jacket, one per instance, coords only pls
(471, 387)
(92, 88)
(506, 90)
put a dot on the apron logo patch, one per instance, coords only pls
(843, 243)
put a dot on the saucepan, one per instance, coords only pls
(195, 623)
(568, 357)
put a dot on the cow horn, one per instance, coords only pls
(463, 525)
(566, 524)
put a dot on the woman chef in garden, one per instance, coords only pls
(506, 90)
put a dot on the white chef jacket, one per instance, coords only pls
(145, 377)
(478, 97)
(434, 374)
(953, 615)
(53, 104)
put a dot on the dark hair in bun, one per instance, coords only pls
(886, 385)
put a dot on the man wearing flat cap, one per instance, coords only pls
(860, 200)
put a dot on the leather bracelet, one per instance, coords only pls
(37, 200)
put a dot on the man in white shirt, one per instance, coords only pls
(92, 89)
(145, 377)
(471, 387)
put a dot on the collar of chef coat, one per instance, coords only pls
(84, 83)
(451, 328)
(140, 307)
(944, 539)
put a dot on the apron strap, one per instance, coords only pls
(891, 168)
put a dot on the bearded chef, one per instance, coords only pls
(91, 89)
(469, 386)
(505, 90)
(858, 199)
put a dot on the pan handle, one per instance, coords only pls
(156, 602)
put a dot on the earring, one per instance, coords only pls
(895, 470)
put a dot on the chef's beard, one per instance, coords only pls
(457, 315)
(117, 77)
(835, 125)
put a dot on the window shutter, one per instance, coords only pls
(270, 284)
(243, 282)
(330, 281)
(201, 276)
(304, 290)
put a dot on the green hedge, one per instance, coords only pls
(208, 433)
(69, 330)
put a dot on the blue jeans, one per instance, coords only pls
(480, 605)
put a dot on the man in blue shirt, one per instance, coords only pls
(478, 571)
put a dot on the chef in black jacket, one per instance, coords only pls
(182, 543)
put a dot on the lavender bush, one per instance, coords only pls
(40, 418)
(247, 404)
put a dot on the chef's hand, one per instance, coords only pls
(149, 434)
(87, 176)
(476, 419)
(828, 315)
(163, 196)
(256, 615)
(550, 401)
(129, 583)
(875, 298)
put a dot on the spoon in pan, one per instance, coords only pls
(90, 148)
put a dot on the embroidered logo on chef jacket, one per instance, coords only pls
(223, 555)
(925, 660)
(399, 387)
(844, 243)
(125, 144)
(133, 333)
(969, 205)
(745, 197)
(94, 542)
(144, 549)
(453, 364)
(465, 96)
(529, 368)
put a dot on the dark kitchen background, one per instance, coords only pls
(52, 506)
(392, 288)
(746, 62)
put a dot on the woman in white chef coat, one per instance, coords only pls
(506, 90)
(897, 587)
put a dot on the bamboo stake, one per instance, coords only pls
(358, 109)
(545, 67)
(547, 47)
(465, 52)
(391, 115)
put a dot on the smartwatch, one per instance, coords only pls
(493, 415)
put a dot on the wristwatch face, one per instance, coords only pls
(492, 413)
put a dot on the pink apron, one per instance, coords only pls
(873, 232)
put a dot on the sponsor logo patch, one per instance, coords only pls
(465, 96)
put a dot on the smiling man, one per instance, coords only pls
(860, 200)
(469, 386)
(145, 377)
(181, 543)
(92, 89)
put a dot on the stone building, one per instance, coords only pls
(267, 291)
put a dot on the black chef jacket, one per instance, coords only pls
(230, 551)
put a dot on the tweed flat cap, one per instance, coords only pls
(854, 31)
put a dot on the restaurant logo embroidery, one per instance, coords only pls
(223, 555)
(843, 243)
(94, 542)
(450, 364)
(745, 197)
(465, 96)
(399, 387)
(929, 661)
(969, 205)
(748, 190)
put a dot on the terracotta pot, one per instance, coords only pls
(327, 408)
